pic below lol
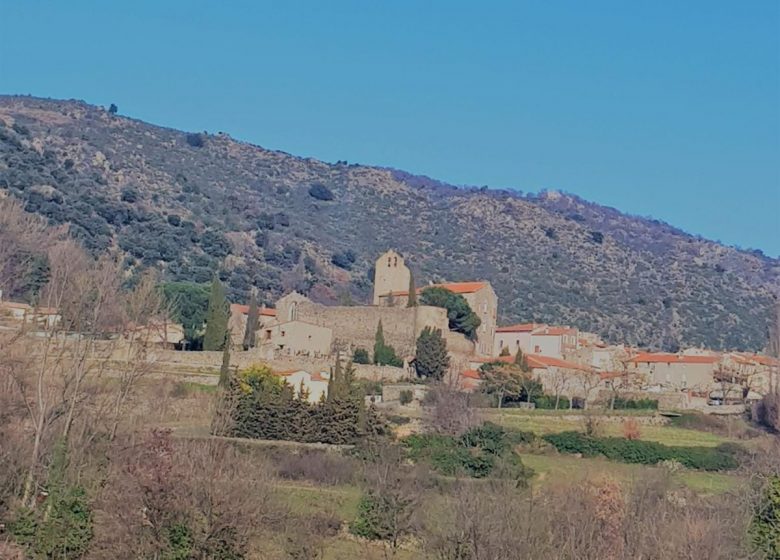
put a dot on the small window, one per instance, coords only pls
(282, 333)
(389, 262)
(395, 261)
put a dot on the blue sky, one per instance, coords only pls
(667, 109)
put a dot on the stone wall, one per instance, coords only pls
(392, 393)
(356, 326)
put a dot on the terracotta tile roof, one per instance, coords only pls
(753, 359)
(520, 327)
(471, 374)
(14, 305)
(553, 331)
(662, 358)
(536, 361)
(241, 308)
(539, 361)
(454, 287)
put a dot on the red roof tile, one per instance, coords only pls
(539, 361)
(662, 358)
(241, 308)
(454, 287)
(520, 327)
(553, 331)
(471, 374)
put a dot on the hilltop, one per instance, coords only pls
(192, 203)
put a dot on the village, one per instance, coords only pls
(300, 340)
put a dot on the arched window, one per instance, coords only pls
(293, 313)
(395, 261)
(389, 261)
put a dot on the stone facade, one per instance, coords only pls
(355, 326)
(390, 275)
(676, 371)
(481, 298)
(296, 337)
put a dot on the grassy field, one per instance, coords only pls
(546, 423)
(551, 469)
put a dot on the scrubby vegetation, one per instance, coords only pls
(723, 457)
(270, 213)
(262, 405)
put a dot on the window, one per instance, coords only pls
(395, 261)
(389, 261)
(282, 333)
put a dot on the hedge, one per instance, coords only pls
(635, 404)
(723, 457)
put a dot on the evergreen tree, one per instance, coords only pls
(412, 300)
(384, 355)
(251, 322)
(224, 370)
(461, 317)
(216, 317)
(432, 359)
(521, 361)
(379, 342)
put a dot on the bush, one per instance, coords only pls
(406, 396)
(196, 140)
(635, 404)
(320, 192)
(478, 453)
(631, 429)
(360, 356)
(547, 402)
(645, 452)
(320, 467)
(344, 259)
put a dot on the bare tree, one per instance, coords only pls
(24, 237)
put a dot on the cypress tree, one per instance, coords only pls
(251, 322)
(216, 317)
(521, 361)
(224, 370)
(432, 359)
(412, 299)
(379, 343)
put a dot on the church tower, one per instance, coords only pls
(390, 275)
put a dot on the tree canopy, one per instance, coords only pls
(216, 317)
(432, 359)
(461, 317)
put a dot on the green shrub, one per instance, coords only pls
(766, 518)
(635, 404)
(481, 452)
(547, 402)
(360, 356)
(720, 458)
(406, 396)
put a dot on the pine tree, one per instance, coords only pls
(251, 322)
(432, 359)
(412, 299)
(216, 317)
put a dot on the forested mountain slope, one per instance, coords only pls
(192, 203)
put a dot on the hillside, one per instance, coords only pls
(193, 203)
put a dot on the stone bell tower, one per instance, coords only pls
(390, 275)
